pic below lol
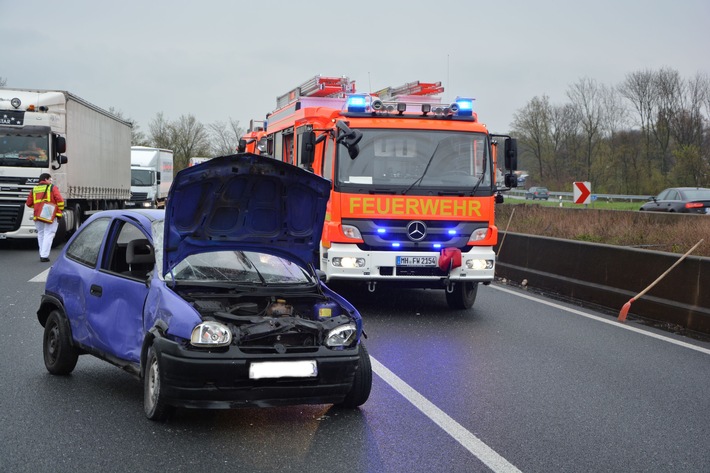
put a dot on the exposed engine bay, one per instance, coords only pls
(264, 323)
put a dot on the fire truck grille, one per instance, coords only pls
(399, 235)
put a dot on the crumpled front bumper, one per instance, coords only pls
(220, 379)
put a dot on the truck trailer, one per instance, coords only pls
(86, 149)
(151, 177)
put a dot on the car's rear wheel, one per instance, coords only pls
(462, 296)
(362, 384)
(154, 404)
(60, 356)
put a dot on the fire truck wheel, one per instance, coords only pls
(463, 296)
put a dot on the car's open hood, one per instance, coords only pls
(244, 202)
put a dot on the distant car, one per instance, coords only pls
(694, 200)
(537, 193)
(212, 302)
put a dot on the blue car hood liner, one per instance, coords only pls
(244, 202)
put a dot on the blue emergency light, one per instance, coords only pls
(465, 106)
(357, 103)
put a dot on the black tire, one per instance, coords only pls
(62, 234)
(154, 404)
(362, 384)
(60, 356)
(76, 210)
(463, 296)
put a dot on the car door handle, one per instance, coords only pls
(96, 290)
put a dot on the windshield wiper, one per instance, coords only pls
(425, 170)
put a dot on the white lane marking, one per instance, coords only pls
(469, 441)
(41, 277)
(615, 323)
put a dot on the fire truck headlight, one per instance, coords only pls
(478, 234)
(479, 264)
(348, 262)
(351, 232)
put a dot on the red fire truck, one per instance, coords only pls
(414, 182)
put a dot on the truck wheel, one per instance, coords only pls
(154, 404)
(60, 356)
(362, 384)
(463, 296)
(76, 210)
(62, 234)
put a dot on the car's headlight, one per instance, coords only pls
(342, 336)
(211, 334)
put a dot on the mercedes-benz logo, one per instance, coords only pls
(416, 230)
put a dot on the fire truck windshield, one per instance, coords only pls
(403, 159)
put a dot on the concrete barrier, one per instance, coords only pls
(609, 276)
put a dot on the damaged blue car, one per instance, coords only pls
(212, 302)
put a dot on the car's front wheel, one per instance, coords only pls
(462, 296)
(154, 404)
(362, 384)
(60, 356)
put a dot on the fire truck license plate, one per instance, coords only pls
(416, 260)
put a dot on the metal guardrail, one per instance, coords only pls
(608, 276)
(567, 196)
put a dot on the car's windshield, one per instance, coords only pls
(417, 158)
(27, 150)
(247, 267)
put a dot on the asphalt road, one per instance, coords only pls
(519, 383)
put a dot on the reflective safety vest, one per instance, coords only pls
(45, 193)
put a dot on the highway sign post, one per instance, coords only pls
(581, 192)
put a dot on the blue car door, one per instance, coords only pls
(115, 297)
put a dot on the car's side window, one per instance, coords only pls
(85, 247)
(117, 246)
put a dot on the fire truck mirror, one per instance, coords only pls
(511, 154)
(349, 138)
(511, 180)
(308, 142)
(242, 146)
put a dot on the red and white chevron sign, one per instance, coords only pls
(582, 192)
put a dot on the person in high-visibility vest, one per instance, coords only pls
(48, 205)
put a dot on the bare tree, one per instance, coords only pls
(531, 124)
(585, 96)
(3, 82)
(189, 138)
(160, 132)
(669, 90)
(565, 143)
(138, 138)
(224, 137)
(639, 89)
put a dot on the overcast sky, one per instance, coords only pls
(226, 59)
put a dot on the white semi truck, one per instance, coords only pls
(151, 176)
(87, 151)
